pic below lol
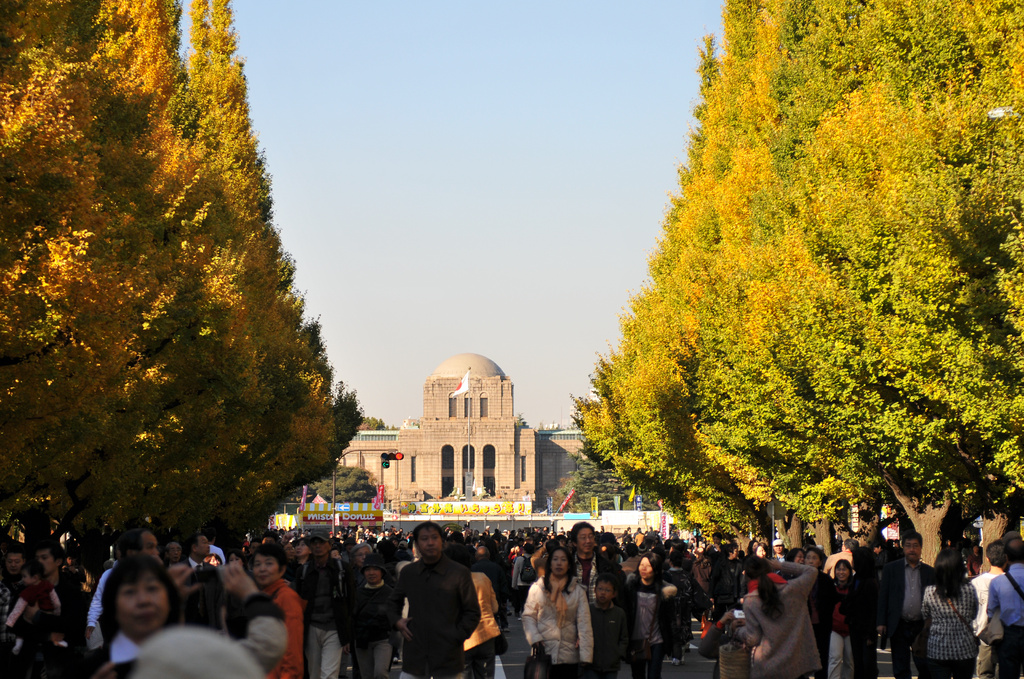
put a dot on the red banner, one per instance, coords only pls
(566, 500)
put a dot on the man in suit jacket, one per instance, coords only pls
(899, 605)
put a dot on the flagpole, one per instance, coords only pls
(469, 440)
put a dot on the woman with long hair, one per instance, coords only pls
(650, 610)
(861, 614)
(557, 616)
(820, 603)
(951, 603)
(775, 624)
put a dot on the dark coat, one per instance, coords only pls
(371, 615)
(611, 637)
(494, 573)
(861, 607)
(666, 607)
(726, 581)
(824, 598)
(202, 607)
(73, 612)
(891, 590)
(343, 594)
(443, 612)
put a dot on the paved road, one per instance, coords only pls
(510, 665)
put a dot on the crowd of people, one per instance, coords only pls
(437, 602)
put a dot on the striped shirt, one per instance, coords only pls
(951, 638)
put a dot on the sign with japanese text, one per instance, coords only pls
(469, 508)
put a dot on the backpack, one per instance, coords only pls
(527, 574)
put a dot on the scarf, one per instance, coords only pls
(555, 596)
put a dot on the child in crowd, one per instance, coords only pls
(611, 636)
(37, 592)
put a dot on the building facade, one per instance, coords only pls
(467, 442)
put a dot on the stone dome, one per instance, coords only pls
(456, 366)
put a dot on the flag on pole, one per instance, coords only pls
(566, 500)
(632, 494)
(463, 386)
(302, 504)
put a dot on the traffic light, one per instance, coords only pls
(385, 458)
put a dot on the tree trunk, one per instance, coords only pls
(793, 527)
(927, 516)
(95, 551)
(992, 529)
(954, 524)
(823, 535)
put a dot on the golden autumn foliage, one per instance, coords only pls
(833, 311)
(154, 360)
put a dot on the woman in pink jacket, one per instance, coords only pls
(777, 624)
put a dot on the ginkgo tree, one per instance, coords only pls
(832, 316)
(155, 362)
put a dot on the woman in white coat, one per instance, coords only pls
(557, 615)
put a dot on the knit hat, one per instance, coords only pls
(194, 653)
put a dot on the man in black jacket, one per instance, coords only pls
(329, 589)
(443, 608)
(726, 576)
(58, 660)
(899, 605)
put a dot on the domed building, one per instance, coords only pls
(469, 441)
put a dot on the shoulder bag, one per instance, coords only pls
(966, 624)
(993, 632)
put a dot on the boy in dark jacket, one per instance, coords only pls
(611, 635)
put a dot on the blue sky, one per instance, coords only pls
(471, 177)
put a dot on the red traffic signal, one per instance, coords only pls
(385, 458)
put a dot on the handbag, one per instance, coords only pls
(500, 644)
(733, 661)
(538, 665)
(639, 650)
(920, 645)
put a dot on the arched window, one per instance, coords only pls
(469, 453)
(483, 408)
(447, 470)
(453, 407)
(489, 457)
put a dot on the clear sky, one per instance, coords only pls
(485, 177)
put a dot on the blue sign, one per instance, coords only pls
(638, 503)
(551, 505)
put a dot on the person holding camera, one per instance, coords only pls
(775, 621)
